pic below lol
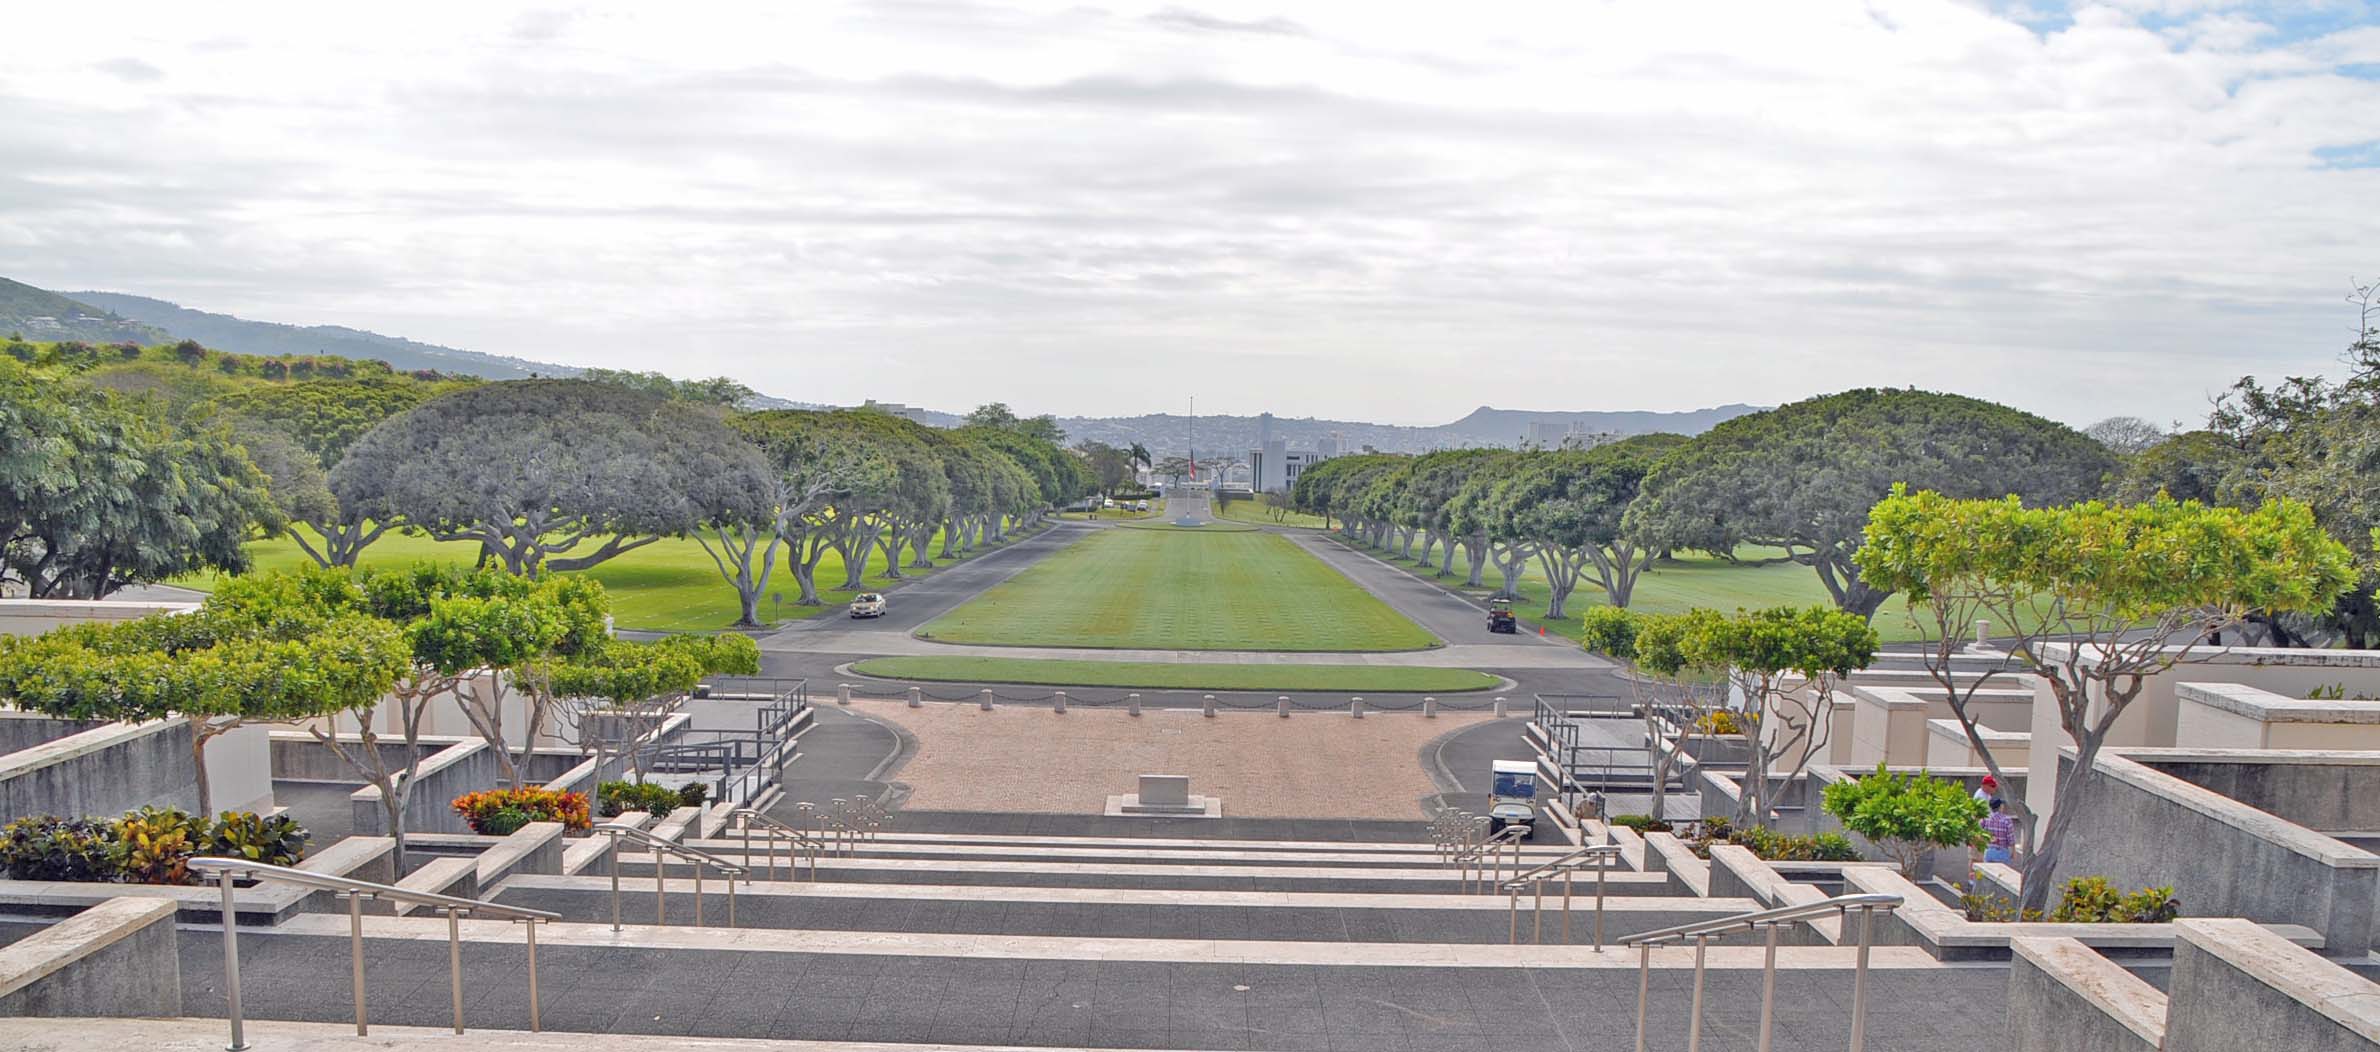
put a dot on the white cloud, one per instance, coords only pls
(1338, 209)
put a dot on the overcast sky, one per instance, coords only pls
(1392, 212)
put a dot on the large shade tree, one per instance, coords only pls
(1802, 477)
(298, 432)
(96, 494)
(2101, 598)
(532, 470)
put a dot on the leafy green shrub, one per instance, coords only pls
(154, 846)
(2096, 900)
(1642, 823)
(503, 821)
(47, 847)
(1777, 847)
(1907, 815)
(694, 794)
(1610, 631)
(275, 841)
(618, 798)
(541, 805)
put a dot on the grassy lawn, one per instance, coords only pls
(1255, 511)
(667, 586)
(1383, 679)
(1761, 577)
(1180, 590)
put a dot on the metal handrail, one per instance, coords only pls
(662, 847)
(796, 840)
(1492, 853)
(1779, 915)
(1774, 920)
(355, 892)
(1566, 868)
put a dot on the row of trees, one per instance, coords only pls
(120, 472)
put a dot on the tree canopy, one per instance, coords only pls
(1802, 476)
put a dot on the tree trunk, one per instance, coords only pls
(1475, 553)
(199, 736)
(920, 536)
(2041, 866)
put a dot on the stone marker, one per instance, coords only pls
(985, 699)
(1165, 790)
(1499, 707)
(842, 693)
(1429, 707)
(1164, 796)
(1355, 707)
(1210, 704)
(917, 697)
(1283, 705)
(1132, 704)
(1060, 699)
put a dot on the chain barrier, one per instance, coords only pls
(968, 696)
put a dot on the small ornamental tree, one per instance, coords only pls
(1907, 815)
(266, 648)
(2101, 598)
(616, 691)
(1677, 701)
(1755, 652)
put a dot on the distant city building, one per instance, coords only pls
(907, 412)
(1272, 465)
(1563, 435)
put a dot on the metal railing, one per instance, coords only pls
(1703, 931)
(226, 870)
(1490, 856)
(739, 765)
(1566, 868)
(661, 847)
(796, 841)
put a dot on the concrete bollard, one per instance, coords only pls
(985, 699)
(1059, 699)
(917, 698)
(842, 693)
(1132, 704)
(1429, 708)
(1283, 706)
(1499, 707)
(1209, 704)
(1355, 707)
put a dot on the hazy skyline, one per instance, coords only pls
(1353, 211)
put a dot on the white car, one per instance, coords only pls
(1140, 505)
(867, 604)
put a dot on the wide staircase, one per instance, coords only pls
(1083, 934)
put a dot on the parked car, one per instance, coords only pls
(1140, 505)
(867, 604)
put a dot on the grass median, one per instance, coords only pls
(1153, 675)
(1128, 589)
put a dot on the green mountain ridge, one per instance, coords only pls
(39, 314)
(225, 332)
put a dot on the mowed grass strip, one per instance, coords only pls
(1153, 675)
(1180, 590)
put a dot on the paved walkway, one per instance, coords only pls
(744, 983)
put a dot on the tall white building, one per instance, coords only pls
(1272, 465)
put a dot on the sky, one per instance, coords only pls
(1389, 212)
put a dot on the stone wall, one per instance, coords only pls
(24, 730)
(118, 958)
(463, 767)
(2236, 986)
(2062, 995)
(2141, 827)
(107, 770)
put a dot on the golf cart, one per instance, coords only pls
(1500, 617)
(1513, 797)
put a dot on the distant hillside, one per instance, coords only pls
(226, 333)
(38, 314)
(1168, 434)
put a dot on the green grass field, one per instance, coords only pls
(1156, 508)
(1180, 590)
(1382, 679)
(1761, 577)
(1252, 510)
(667, 586)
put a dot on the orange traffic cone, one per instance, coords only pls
(1541, 631)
